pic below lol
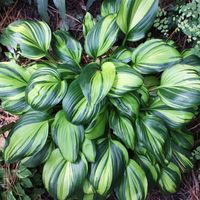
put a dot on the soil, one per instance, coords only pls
(190, 186)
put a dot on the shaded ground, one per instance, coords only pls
(190, 186)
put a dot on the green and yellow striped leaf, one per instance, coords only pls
(96, 82)
(183, 138)
(40, 157)
(106, 171)
(13, 80)
(180, 87)
(134, 184)
(33, 38)
(173, 117)
(88, 23)
(69, 70)
(110, 7)
(182, 158)
(89, 149)
(65, 47)
(170, 178)
(149, 165)
(152, 135)
(62, 178)
(28, 136)
(76, 107)
(45, 89)
(87, 187)
(154, 56)
(127, 105)
(144, 94)
(102, 36)
(97, 126)
(123, 128)
(122, 54)
(67, 136)
(135, 17)
(126, 80)
(16, 107)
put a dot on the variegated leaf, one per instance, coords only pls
(150, 166)
(153, 56)
(97, 126)
(106, 171)
(45, 89)
(170, 178)
(88, 23)
(152, 135)
(62, 178)
(33, 38)
(134, 184)
(173, 117)
(102, 36)
(122, 54)
(128, 105)
(180, 87)
(123, 128)
(28, 136)
(96, 81)
(76, 107)
(126, 80)
(110, 7)
(67, 136)
(89, 149)
(135, 17)
(40, 157)
(66, 48)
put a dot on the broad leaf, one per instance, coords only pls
(154, 56)
(33, 38)
(134, 183)
(110, 7)
(76, 107)
(89, 150)
(126, 80)
(173, 117)
(170, 178)
(13, 82)
(152, 135)
(107, 170)
(135, 17)
(62, 178)
(150, 166)
(40, 157)
(45, 89)
(122, 54)
(102, 36)
(67, 136)
(123, 128)
(180, 87)
(28, 136)
(88, 23)
(127, 105)
(96, 81)
(66, 48)
(97, 126)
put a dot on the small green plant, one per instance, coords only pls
(188, 21)
(115, 124)
(161, 22)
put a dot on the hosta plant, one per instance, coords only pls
(115, 125)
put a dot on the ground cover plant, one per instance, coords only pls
(113, 123)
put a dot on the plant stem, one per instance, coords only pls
(124, 41)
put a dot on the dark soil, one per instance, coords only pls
(190, 186)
